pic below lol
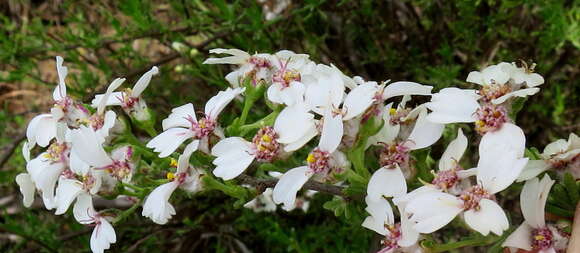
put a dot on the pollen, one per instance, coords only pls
(392, 111)
(310, 158)
(266, 138)
(173, 163)
(265, 144)
(170, 175)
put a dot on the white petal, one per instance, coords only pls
(332, 131)
(116, 98)
(83, 210)
(179, 117)
(375, 225)
(289, 184)
(41, 130)
(59, 92)
(497, 172)
(532, 169)
(380, 210)
(183, 160)
(533, 200)
(238, 56)
(105, 98)
(299, 143)
(425, 132)
(519, 93)
(489, 75)
(26, 151)
(489, 218)
(88, 146)
(157, 206)
(508, 138)
(521, 238)
(217, 103)
(293, 123)
(453, 152)
(77, 165)
(291, 94)
(402, 200)
(66, 192)
(109, 122)
(45, 179)
(167, 142)
(143, 82)
(409, 236)
(26, 188)
(406, 88)
(453, 105)
(234, 155)
(102, 237)
(556, 147)
(432, 211)
(359, 99)
(388, 182)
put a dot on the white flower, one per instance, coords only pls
(157, 206)
(182, 123)
(45, 169)
(398, 237)
(499, 165)
(557, 154)
(27, 188)
(257, 67)
(72, 185)
(286, 87)
(324, 88)
(103, 234)
(130, 99)
(533, 233)
(234, 154)
(87, 147)
(495, 86)
(319, 162)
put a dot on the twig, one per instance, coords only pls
(9, 149)
(310, 185)
(574, 244)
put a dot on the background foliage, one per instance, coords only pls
(432, 42)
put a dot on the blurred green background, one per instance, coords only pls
(433, 42)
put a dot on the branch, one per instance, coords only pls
(310, 185)
(10, 148)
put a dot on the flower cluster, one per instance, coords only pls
(348, 116)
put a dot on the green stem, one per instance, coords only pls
(126, 213)
(268, 120)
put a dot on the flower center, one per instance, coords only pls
(542, 238)
(446, 179)
(286, 76)
(56, 152)
(398, 115)
(202, 127)
(318, 161)
(179, 177)
(472, 196)
(391, 239)
(490, 118)
(119, 169)
(88, 182)
(127, 101)
(266, 144)
(396, 153)
(259, 62)
(492, 91)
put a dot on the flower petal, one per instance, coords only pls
(59, 92)
(66, 192)
(332, 131)
(406, 88)
(489, 218)
(532, 169)
(143, 82)
(238, 56)
(157, 206)
(519, 93)
(508, 138)
(83, 210)
(521, 238)
(453, 105)
(88, 146)
(235, 155)
(26, 188)
(533, 200)
(431, 211)
(388, 182)
(499, 170)
(289, 184)
(425, 132)
(179, 117)
(359, 99)
(293, 123)
(102, 237)
(217, 103)
(453, 152)
(167, 142)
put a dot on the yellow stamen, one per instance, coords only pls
(170, 175)
(310, 158)
(539, 237)
(392, 111)
(261, 147)
(173, 163)
(266, 138)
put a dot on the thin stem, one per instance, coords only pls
(127, 212)
(480, 241)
